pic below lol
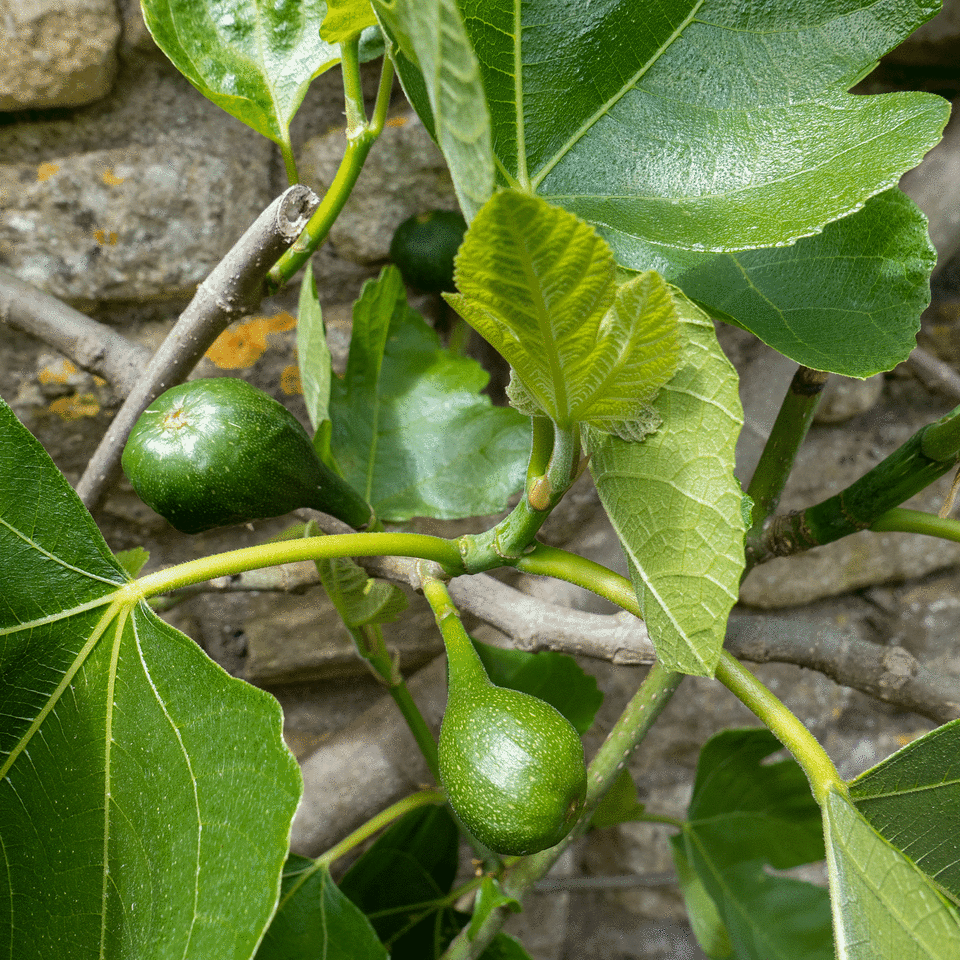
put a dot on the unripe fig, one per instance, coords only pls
(209, 453)
(512, 765)
(424, 246)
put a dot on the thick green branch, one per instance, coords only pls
(925, 457)
(788, 433)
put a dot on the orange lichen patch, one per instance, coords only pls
(106, 238)
(290, 382)
(111, 179)
(76, 406)
(46, 170)
(396, 121)
(244, 344)
(59, 372)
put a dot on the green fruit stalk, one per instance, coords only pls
(215, 452)
(512, 765)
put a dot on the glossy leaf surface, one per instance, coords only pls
(253, 58)
(913, 799)
(887, 908)
(700, 124)
(410, 428)
(847, 300)
(675, 504)
(145, 795)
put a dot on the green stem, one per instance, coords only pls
(629, 731)
(900, 520)
(460, 650)
(373, 649)
(560, 564)
(788, 433)
(383, 819)
(359, 141)
(904, 473)
(354, 107)
(289, 162)
(788, 729)
(512, 537)
(443, 552)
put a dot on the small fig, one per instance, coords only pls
(209, 453)
(512, 765)
(424, 246)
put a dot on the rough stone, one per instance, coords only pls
(301, 638)
(56, 53)
(403, 175)
(128, 224)
(845, 397)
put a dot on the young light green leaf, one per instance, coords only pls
(847, 300)
(345, 19)
(360, 599)
(315, 921)
(913, 799)
(886, 908)
(440, 61)
(253, 58)
(149, 793)
(539, 285)
(675, 504)
(719, 126)
(410, 428)
(313, 354)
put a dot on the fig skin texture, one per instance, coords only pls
(214, 452)
(512, 766)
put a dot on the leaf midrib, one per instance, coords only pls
(604, 109)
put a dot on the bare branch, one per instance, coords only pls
(934, 374)
(91, 345)
(891, 674)
(234, 288)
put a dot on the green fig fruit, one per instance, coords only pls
(512, 766)
(424, 246)
(209, 453)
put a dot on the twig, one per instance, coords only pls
(934, 374)
(234, 288)
(91, 345)
(890, 674)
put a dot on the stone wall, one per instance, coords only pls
(121, 187)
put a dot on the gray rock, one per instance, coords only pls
(146, 218)
(845, 397)
(56, 53)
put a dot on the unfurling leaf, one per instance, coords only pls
(540, 285)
